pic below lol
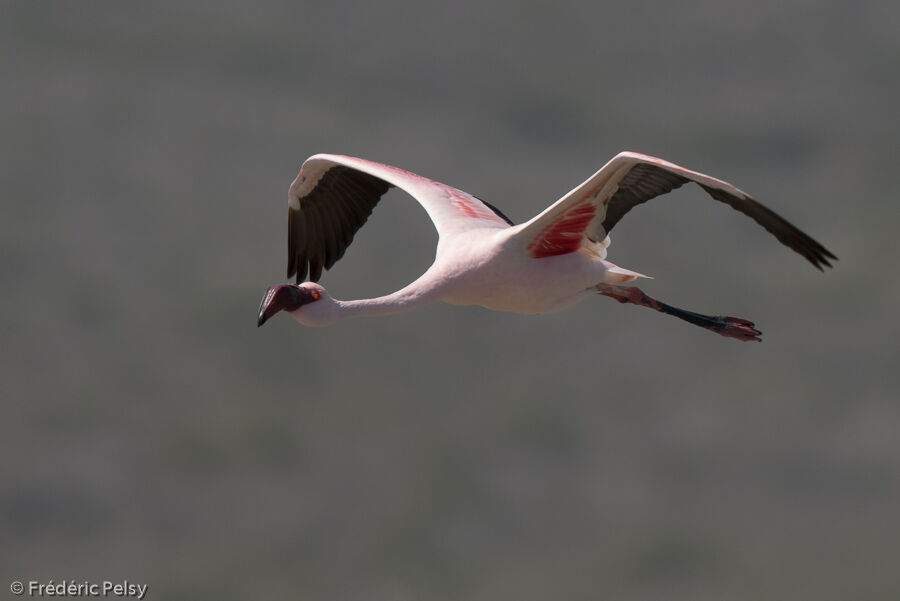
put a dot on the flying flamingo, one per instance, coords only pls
(546, 264)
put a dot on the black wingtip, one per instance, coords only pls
(822, 258)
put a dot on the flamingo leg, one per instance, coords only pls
(730, 327)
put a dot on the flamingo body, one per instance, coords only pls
(490, 269)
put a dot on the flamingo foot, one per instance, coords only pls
(734, 327)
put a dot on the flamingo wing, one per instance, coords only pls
(333, 196)
(592, 209)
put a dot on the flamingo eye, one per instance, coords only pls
(315, 295)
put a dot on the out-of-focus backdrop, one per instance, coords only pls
(151, 432)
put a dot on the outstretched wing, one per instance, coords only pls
(333, 196)
(592, 209)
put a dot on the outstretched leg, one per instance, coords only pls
(732, 327)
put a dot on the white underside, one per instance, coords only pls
(482, 270)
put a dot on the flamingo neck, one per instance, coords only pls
(397, 302)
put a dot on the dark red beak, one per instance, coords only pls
(282, 297)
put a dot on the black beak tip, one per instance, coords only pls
(263, 315)
(262, 318)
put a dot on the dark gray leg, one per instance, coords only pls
(731, 327)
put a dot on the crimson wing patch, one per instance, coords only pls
(565, 234)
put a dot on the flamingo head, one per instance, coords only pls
(288, 297)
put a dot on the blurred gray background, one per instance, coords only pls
(151, 432)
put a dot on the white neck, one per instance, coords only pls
(329, 310)
(403, 300)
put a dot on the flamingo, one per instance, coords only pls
(544, 265)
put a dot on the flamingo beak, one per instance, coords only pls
(282, 297)
(272, 302)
